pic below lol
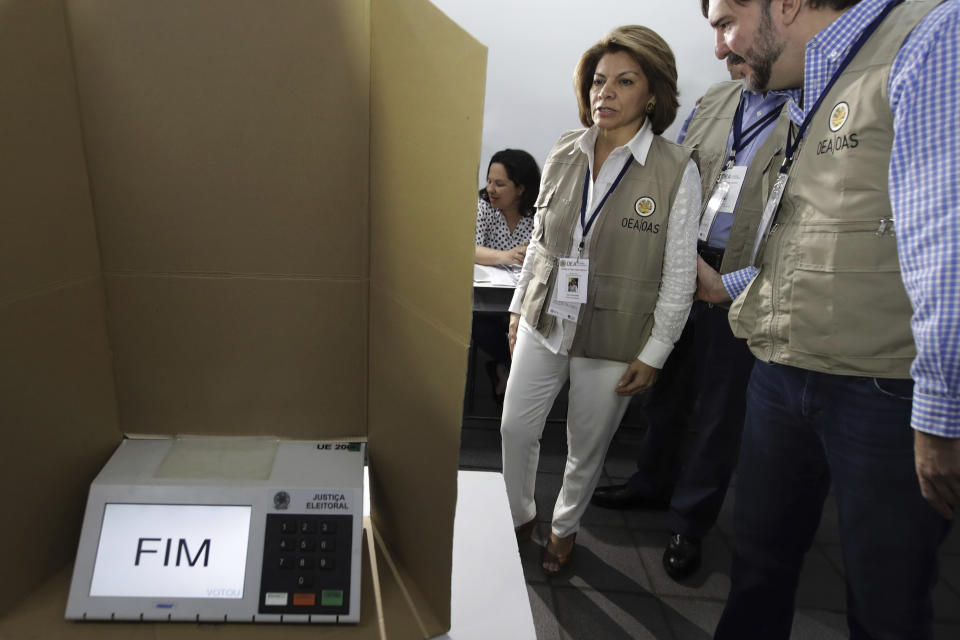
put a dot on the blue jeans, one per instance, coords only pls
(802, 430)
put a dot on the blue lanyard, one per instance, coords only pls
(795, 135)
(584, 223)
(743, 137)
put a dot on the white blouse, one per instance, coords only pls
(678, 282)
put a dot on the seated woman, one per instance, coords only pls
(608, 277)
(505, 208)
(504, 224)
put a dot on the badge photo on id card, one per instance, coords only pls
(570, 289)
(572, 278)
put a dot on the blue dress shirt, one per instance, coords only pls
(755, 105)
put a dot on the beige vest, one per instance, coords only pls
(709, 134)
(626, 247)
(829, 296)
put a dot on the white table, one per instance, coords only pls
(490, 597)
(489, 593)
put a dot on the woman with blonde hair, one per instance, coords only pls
(608, 277)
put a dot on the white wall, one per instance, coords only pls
(534, 46)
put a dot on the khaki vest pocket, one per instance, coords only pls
(545, 196)
(537, 290)
(621, 318)
(626, 294)
(847, 297)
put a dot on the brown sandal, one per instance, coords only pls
(562, 561)
(525, 530)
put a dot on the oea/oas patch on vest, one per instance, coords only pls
(645, 206)
(839, 116)
(840, 142)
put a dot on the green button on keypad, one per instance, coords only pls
(331, 598)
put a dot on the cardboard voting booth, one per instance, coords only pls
(234, 217)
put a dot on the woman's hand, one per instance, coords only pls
(515, 255)
(494, 257)
(512, 331)
(638, 377)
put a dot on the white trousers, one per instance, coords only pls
(593, 413)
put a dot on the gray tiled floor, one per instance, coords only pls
(618, 588)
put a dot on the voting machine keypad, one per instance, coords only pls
(306, 564)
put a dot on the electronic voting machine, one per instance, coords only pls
(222, 529)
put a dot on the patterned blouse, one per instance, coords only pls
(493, 232)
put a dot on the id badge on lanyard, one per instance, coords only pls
(726, 191)
(724, 198)
(570, 288)
(766, 220)
(572, 274)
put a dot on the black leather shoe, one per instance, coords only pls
(682, 557)
(621, 496)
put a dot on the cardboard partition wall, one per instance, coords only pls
(234, 217)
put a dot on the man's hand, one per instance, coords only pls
(638, 377)
(709, 285)
(938, 469)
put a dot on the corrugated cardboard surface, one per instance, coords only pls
(227, 136)
(415, 425)
(46, 230)
(240, 356)
(399, 610)
(57, 406)
(426, 125)
(59, 426)
(425, 139)
(189, 244)
(228, 148)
